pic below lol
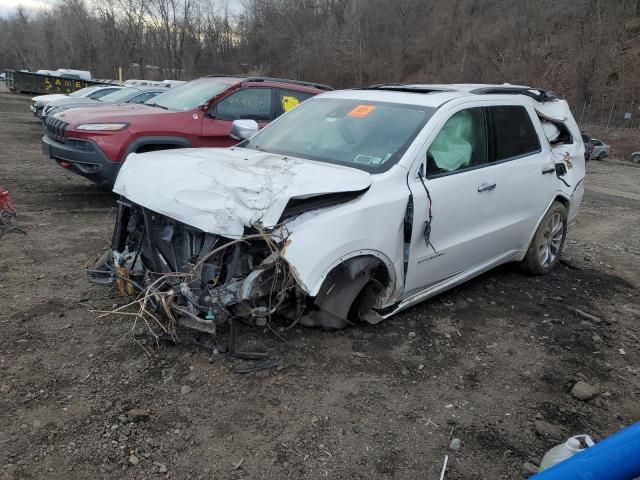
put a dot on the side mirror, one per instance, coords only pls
(243, 129)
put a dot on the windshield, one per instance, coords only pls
(82, 92)
(370, 136)
(120, 96)
(190, 95)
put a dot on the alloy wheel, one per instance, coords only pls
(551, 240)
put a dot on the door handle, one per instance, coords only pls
(546, 170)
(485, 187)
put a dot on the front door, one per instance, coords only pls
(451, 221)
(255, 103)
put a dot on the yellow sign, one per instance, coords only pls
(289, 103)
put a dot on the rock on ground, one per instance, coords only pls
(548, 431)
(584, 391)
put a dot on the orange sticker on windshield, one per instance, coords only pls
(361, 111)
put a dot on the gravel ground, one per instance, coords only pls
(487, 363)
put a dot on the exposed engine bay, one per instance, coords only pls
(202, 280)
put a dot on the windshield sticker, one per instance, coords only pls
(289, 103)
(367, 159)
(361, 111)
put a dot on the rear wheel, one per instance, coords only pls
(636, 158)
(546, 246)
(601, 156)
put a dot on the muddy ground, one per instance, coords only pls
(484, 361)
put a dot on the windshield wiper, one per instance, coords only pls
(157, 105)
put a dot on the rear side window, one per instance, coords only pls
(513, 132)
(248, 104)
(460, 144)
(289, 99)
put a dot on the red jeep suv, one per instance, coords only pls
(94, 142)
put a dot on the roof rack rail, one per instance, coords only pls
(231, 75)
(537, 94)
(303, 83)
(406, 88)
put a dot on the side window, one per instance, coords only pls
(597, 143)
(249, 104)
(460, 144)
(513, 132)
(143, 97)
(289, 99)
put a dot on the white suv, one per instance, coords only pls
(354, 205)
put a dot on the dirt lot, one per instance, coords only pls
(481, 363)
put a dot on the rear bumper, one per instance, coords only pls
(83, 157)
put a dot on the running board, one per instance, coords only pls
(448, 283)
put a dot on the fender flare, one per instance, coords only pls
(156, 140)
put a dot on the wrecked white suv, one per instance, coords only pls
(353, 206)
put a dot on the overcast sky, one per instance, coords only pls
(8, 7)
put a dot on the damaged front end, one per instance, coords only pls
(200, 280)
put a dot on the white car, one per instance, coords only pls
(38, 103)
(143, 83)
(353, 206)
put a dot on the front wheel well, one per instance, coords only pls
(349, 290)
(563, 200)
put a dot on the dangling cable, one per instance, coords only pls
(427, 224)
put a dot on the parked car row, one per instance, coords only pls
(351, 205)
(95, 92)
(120, 96)
(94, 142)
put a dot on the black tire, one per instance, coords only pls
(601, 156)
(536, 262)
(636, 158)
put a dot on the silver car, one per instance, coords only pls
(600, 149)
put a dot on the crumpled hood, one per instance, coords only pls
(222, 191)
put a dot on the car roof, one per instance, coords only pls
(435, 95)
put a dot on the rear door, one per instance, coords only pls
(253, 103)
(524, 174)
